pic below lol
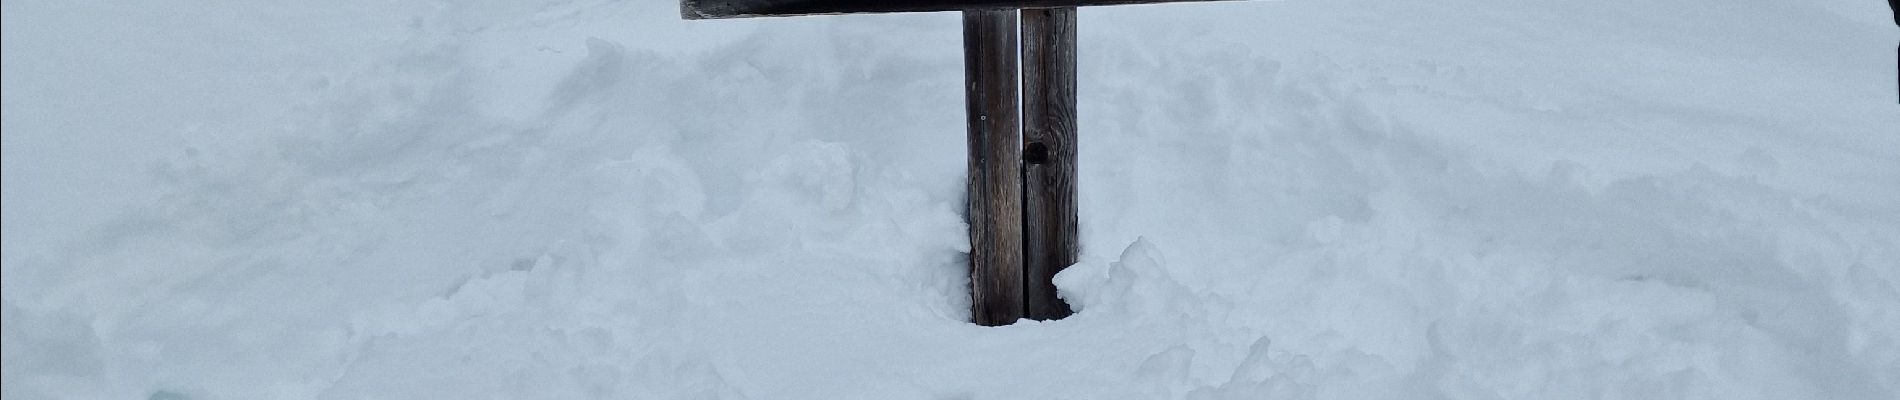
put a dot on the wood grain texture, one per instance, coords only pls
(995, 180)
(1049, 146)
(709, 9)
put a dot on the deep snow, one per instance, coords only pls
(1333, 199)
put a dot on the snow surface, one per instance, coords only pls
(1307, 199)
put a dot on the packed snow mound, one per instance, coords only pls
(1306, 199)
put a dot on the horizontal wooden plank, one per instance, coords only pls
(709, 9)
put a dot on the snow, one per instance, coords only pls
(1302, 199)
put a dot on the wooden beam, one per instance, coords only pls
(995, 173)
(1049, 143)
(709, 9)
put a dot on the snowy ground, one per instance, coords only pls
(566, 199)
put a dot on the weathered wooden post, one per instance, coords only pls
(995, 173)
(1022, 212)
(1049, 242)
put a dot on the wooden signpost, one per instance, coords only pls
(1022, 149)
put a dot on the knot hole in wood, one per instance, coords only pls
(1036, 153)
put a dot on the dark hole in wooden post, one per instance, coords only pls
(1036, 153)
